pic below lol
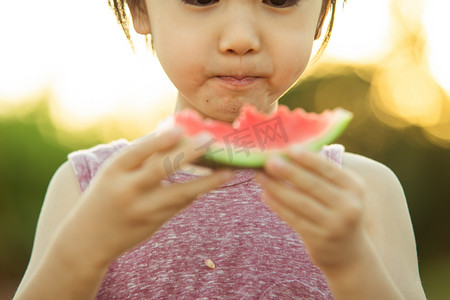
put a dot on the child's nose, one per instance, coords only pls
(240, 34)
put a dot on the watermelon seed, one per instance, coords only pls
(210, 263)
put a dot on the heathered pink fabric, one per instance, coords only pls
(256, 255)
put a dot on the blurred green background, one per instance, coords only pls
(402, 119)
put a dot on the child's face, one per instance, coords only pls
(221, 54)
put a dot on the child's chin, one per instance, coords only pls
(226, 113)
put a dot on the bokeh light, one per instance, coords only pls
(361, 32)
(436, 23)
(77, 55)
(406, 91)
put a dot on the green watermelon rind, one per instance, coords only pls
(257, 159)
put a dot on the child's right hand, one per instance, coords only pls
(126, 202)
(123, 206)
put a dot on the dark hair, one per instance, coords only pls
(119, 10)
(119, 7)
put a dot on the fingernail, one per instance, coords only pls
(203, 138)
(175, 131)
(278, 162)
(296, 149)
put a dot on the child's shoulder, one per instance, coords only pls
(372, 171)
(384, 190)
(86, 162)
(385, 200)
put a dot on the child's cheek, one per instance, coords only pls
(293, 58)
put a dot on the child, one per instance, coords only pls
(132, 232)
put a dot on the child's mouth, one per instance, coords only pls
(238, 81)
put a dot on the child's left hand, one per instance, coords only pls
(321, 202)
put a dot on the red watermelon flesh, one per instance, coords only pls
(254, 136)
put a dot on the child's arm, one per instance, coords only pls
(354, 222)
(62, 195)
(388, 225)
(79, 235)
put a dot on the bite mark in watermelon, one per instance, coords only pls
(254, 136)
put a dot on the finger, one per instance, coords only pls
(297, 202)
(301, 225)
(162, 164)
(139, 150)
(322, 167)
(179, 195)
(303, 179)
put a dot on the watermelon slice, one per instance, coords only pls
(254, 136)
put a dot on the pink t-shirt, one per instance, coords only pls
(255, 254)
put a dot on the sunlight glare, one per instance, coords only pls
(361, 31)
(99, 75)
(25, 60)
(81, 53)
(437, 23)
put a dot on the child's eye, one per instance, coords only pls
(281, 3)
(200, 2)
